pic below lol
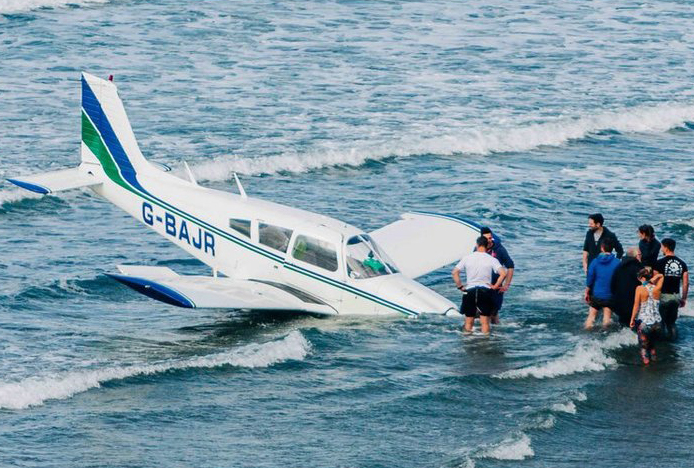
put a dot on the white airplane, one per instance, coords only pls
(271, 256)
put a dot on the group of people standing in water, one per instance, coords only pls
(644, 291)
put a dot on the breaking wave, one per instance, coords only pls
(655, 118)
(588, 355)
(513, 448)
(35, 391)
(18, 6)
(517, 447)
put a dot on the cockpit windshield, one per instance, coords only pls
(366, 260)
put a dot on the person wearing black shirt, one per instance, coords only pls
(498, 251)
(648, 245)
(675, 271)
(595, 235)
(624, 284)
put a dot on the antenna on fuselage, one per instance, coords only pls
(191, 177)
(242, 192)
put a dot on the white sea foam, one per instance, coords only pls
(18, 6)
(487, 140)
(513, 448)
(568, 407)
(551, 294)
(35, 391)
(547, 422)
(588, 355)
(14, 195)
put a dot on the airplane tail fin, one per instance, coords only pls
(107, 137)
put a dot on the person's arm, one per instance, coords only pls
(657, 280)
(618, 246)
(635, 310)
(507, 283)
(507, 262)
(685, 288)
(502, 274)
(586, 248)
(456, 278)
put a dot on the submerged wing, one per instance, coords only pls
(422, 242)
(165, 285)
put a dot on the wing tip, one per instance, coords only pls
(29, 186)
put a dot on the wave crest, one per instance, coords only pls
(12, 196)
(514, 448)
(588, 355)
(482, 141)
(35, 391)
(18, 6)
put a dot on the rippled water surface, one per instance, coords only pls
(525, 116)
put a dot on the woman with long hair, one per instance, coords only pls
(645, 318)
(648, 245)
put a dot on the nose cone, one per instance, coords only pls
(415, 296)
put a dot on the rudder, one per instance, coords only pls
(107, 137)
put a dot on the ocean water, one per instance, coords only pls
(525, 116)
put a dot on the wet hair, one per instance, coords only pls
(607, 245)
(482, 242)
(648, 231)
(485, 230)
(645, 272)
(669, 244)
(597, 218)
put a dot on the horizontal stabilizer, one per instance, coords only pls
(420, 242)
(165, 285)
(56, 181)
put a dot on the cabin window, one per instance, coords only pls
(316, 252)
(241, 225)
(366, 260)
(274, 236)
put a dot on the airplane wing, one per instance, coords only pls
(56, 181)
(165, 285)
(421, 242)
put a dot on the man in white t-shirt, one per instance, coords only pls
(477, 296)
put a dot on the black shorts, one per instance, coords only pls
(477, 300)
(597, 303)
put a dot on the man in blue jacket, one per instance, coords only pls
(598, 292)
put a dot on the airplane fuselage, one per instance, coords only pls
(197, 219)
